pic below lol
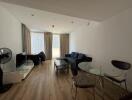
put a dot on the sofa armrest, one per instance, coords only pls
(67, 55)
(79, 60)
(88, 59)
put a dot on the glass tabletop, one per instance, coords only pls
(96, 71)
(60, 62)
(85, 66)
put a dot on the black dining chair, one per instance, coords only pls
(124, 67)
(81, 81)
(126, 97)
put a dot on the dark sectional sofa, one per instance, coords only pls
(75, 58)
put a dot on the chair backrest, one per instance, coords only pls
(121, 64)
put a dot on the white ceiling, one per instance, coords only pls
(88, 9)
(43, 21)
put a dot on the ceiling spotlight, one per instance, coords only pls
(88, 23)
(32, 14)
(53, 26)
(72, 22)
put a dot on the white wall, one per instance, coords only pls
(10, 35)
(111, 39)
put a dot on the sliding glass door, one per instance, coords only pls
(37, 44)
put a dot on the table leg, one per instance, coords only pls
(54, 65)
(67, 68)
(101, 84)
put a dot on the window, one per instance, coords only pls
(37, 42)
(56, 46)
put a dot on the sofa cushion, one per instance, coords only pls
(81, 56)
(71, 60)
(74, 54)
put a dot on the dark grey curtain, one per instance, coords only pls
(48, 45)
(26, 39)
(64, 44)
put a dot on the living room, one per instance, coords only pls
(101, 30)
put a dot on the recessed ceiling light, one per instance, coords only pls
(53, 26)
(32, 14)
(72, 22)
(88, 23)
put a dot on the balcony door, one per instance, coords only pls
(56, 46)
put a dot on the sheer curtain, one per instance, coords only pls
(64, 44)
(48, 45)
(56, 46)
(37, 42)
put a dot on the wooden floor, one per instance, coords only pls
(44, 84)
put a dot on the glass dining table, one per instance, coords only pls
(97, 71)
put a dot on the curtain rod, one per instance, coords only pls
(41, 32)
(51, 32)
(37, 32)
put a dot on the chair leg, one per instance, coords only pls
(120, 84)
(94, 93)
(54, 65)
(68, 70)
(126, 86)
(72, 87)
(75, 94)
